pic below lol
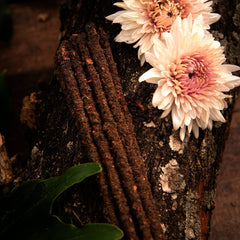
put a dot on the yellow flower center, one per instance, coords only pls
(164, 12)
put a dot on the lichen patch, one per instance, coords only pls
(176, 144)
(27, 115)
(171, 179)
(174, 196)
(192, 224)
(150, 124)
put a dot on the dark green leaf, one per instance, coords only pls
(29, 216)
(61, 231)
(29, 207)
(31, 203)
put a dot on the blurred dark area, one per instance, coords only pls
(6, 25)
(28, 45)
(27, 58)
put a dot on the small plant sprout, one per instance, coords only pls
(191, 77)
(144, 20)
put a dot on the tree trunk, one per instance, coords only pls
(153, 186)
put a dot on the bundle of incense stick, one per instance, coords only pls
(88, 77)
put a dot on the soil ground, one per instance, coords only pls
(29, 60)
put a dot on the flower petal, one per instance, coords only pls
(166, 102)
(231, 68)
(177, 117)
(216, 115)
(182, 133)
(195, 130)
(153, 76)
(166, 112)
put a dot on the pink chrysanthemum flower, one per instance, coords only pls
(143, 20)
(191, 77)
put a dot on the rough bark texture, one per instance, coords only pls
(6, 171)
(181, 174)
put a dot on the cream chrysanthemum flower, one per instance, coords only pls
(191, 77)
(144, 20)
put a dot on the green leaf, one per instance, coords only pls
(101, 232)
(29, 207)
(61, 231)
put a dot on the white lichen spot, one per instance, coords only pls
(37, 156)
(193, 222)
(35, 153)
(69, 145)
(171, 179)
(174, 196)
(204, 148)
(174, 143)
(191, 234)
(163, 227)
(160, 143)
(150, 124)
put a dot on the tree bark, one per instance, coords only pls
(6, 171)
(180, 177)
